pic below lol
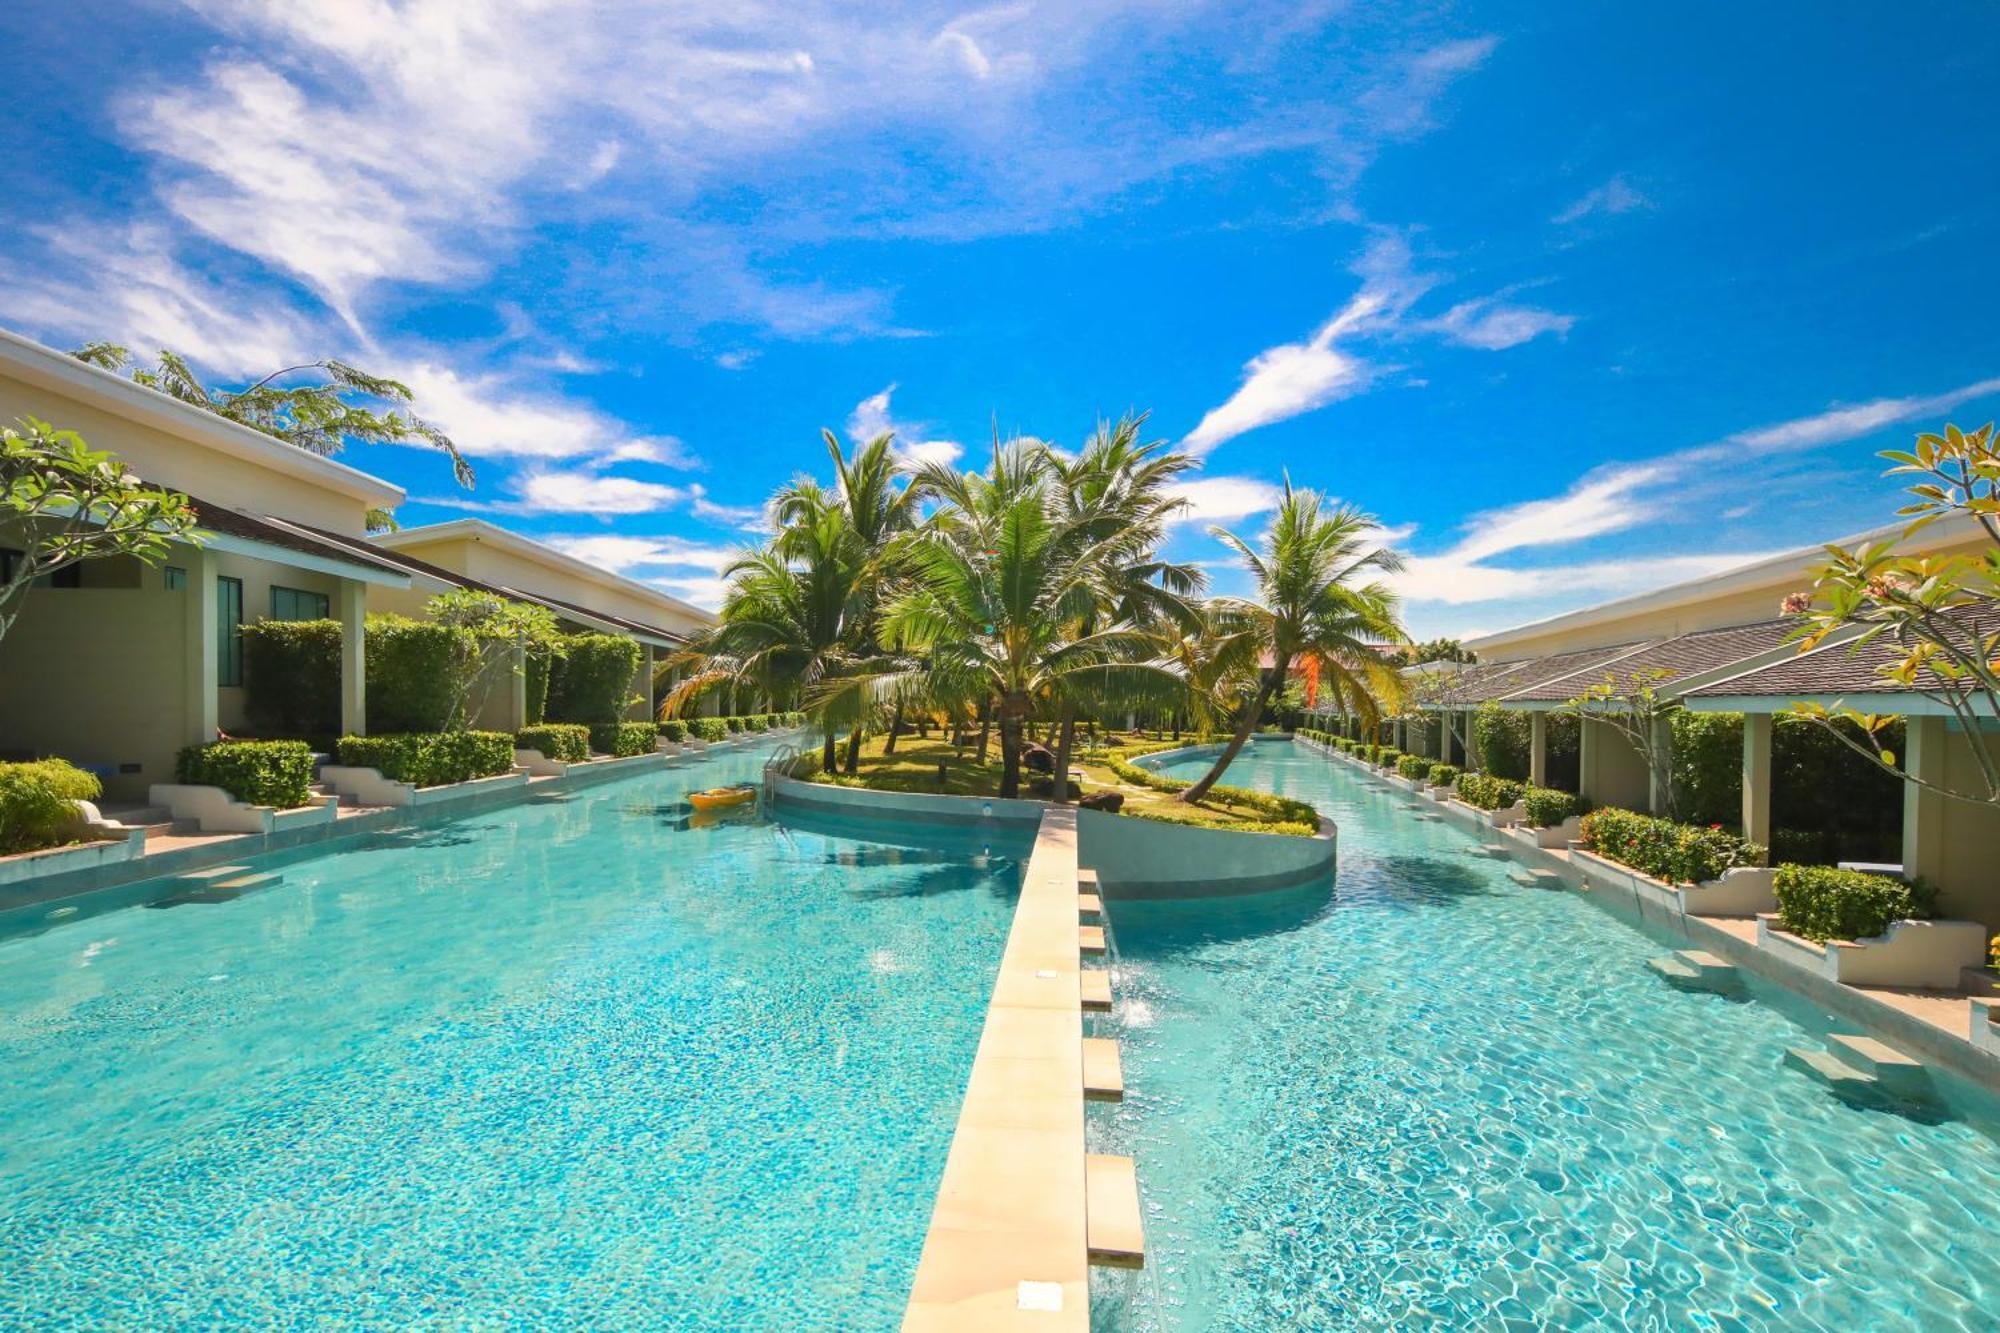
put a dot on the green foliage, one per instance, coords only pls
(1500, 740)
(62, 503)
(35, 809)
(273, 773)
(1563, 733)
(535, 683)
(1415, 767)
(1445, 775)
(1483, 791)
(1283, 815)
(757, 722)
(566, 742)
(412, 673)
(1829, 801)
(592, 680)
(735, 724)
(1821, 903)
(1388, 756)
(1708, 766)
(621, 740)
(1676, 853)
(1432, 650)
(431, 759)
(710, 729)
(674, 729)
(1547, 807)
(291, 677)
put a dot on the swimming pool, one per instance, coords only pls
(1441, 1099)
(564, 1064)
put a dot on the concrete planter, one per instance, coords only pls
(1926, 955)
(1554, 835)
(24, 866)
(367, 786)
(539, 765)
(1742, 891)
(215, 811)
(1507, 816)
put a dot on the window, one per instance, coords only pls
(229, 631)
(298, 604)
(177, 578)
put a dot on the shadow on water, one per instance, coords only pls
(998, 881)
(1156, 927)
(1414, 882)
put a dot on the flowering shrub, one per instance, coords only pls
(1676, 853)
(1821, 903)
(1486, 792)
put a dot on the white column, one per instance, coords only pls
(1923, 810)
(353, 658)
(1538, 748)
(517, 693)
(1757, 777)
(201, 650)
(1656, 787)
(1471, 752)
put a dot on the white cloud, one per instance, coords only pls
(1615, 196)
(1454, 581)
(1225, 499)
(1494, 326)
(870, 418)
(625, 554)
(487, 417)
(591, 493)
(1849, 423)
(750, 518)
(1606, 502)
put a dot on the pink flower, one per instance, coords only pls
(1795, 603)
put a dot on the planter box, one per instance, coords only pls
(1603, 872)
(1506, 816)
(23, 866)
(367, 786)
(216, 811)
(1985, 1030)
(1925, 955)
(539, 765)
(1555, 835)
(1742, 891)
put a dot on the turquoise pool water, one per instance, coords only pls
(1437, 1098)
(564, 1065)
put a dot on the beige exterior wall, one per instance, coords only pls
(490, 563)
(1968, 843)
(169, 460)
(1612, 771)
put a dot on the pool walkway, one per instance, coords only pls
(1024, 1208)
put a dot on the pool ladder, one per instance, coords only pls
(779, 766)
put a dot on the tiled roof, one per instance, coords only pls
(1678, 658)
(1839, 668)
(1505, 680)
(221, 519)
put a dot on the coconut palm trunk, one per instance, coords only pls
(853, 765)
(1245, 725)
(1013, 722)
(1065, 743)
(895, 726)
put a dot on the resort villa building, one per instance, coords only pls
(1719, 645)
(116, 665)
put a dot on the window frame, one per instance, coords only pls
(228, 630)
(321, 600)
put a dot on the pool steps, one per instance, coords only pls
(218, 884)
(1090, 939)
(1695, 969)
(1103, 1076)
(1116, 1233)
(1096, 986)
(1854, 1063)
(1090, 906)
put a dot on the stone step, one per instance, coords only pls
(223, 890)
(1103, 1075)
(1113, 1229)
(1895, 1071)
(211, 875)
(1086, 881)
(1090, 905)
(1539, 879)
(1830, 1069)
(1706, 963)
(1096, 990)
(1674, 970)
(1090, 939)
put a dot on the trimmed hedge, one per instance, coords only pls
(1676, 853)
(35, 809)
(1821, 903)
(674, 729)
(757, 722)
(568, 742)
(431, 759)
(274, 773)
(411, 665)
(1445, 775)
(709, 728)
(1414, 766)
(1486, 792)
(1284, 815)
(1546, 807)
(735, 724)
(1388, 756)
(291, 677)
(621, 740)
(592, 680)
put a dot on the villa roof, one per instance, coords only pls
(1839, 669)
(438, 574)
(1507, 680)
(1677, 661)
(237, 528)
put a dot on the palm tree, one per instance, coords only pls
(1309, 606)
(1004, 590)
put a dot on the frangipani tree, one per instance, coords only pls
(1638, 708)
(62, 502)
(1936, 618)
(1317, 597)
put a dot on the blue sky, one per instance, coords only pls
(1578, 299)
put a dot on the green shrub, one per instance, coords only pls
(35, 809)
(592, 680)
(567, 742)
(291, 677)
(412, 668)
(1822, 903)
(674, 729)
(1444, 775)
(1388, 756)
(274, 773)
(1546, 807)
(735, 724)
(1708, 766)
(757, 722)
(1284, 815)
(709, 729)
(535, 681)
(621, 740)
(1676, 853)
(1500, 740)
(431, 759)
(1413, 766)
(1486, 792)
